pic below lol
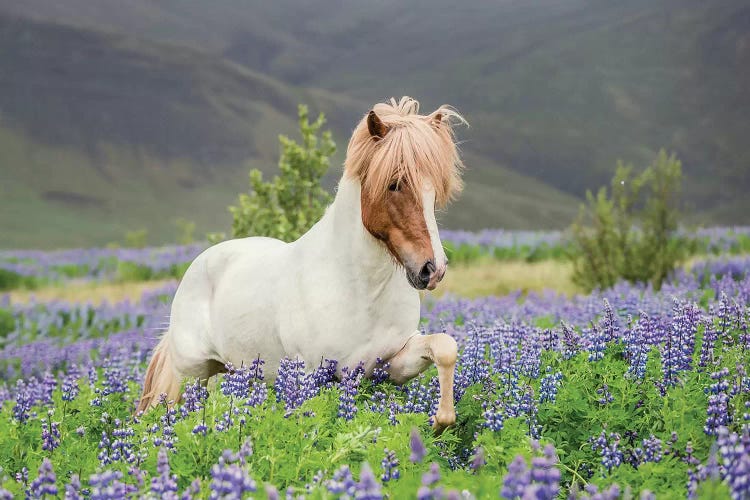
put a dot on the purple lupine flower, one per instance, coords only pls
(418, 450)
(229, 479)
(545, 474)
(350, 380)
(652, 449)
(325, 374)
(46, 482)
(571, 341)
(637, 346)
(477, 460)
(710, 335)
(493, 416)
(380, 371)
(271, 492)
(718, 403)
(165, 484)
(390, 466)
(107, 486)
(609, 323)
(70, 387)
(293, 386)
(609, 450)
(193, 490)
(429, 479)
(549, 385)
(605, 397)
(342, 482)
(50, 433)
(530, 354)
(368, 487)
(193, 398)
(597, 343)
(517, 479)
(73, 488)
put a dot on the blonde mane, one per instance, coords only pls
(416, 147)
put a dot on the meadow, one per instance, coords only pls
(621, 393)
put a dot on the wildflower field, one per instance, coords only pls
(622, 393)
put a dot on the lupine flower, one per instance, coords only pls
(428, 491)
(342, 482)
(229, 479)
(73, 488)
(165, 484)
(107, 486)
(597, 343)
(380, 372)
(50, 433)
(545, 474)
(549, 386)
(418, 450)
(292, 385)
(718, 403)
(605, 397)
(368, 487)
(571, 341)
(477, 460)
(516, 480)
(350, 380)
(608, 449)
(390, 466)
(45, 483)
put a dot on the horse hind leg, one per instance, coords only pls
(416, 356)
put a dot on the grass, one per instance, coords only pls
(92, 292)
(480, 278)
(492, 277)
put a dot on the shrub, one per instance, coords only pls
(286, 207)
(631, 232)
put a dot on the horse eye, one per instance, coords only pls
(394, 186)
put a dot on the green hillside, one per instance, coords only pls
(154, 110)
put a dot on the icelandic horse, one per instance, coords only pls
(348, 288)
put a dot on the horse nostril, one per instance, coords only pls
(426, 273)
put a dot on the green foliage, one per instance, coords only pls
(286, 207)
(136, 238)
(630, 232)
(185, 230)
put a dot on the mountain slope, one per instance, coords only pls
(558, 90)
(102, 133)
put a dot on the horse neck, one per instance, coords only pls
(346, 242)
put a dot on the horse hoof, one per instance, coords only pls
(443, 420)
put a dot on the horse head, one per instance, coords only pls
(408, 165)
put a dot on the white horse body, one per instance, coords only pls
(335, 293)
(347, 289)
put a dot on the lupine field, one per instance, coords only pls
(623, 393)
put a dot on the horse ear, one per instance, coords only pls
(375, 126)
(437, 119)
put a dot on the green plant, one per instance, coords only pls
(185, 231)
(136, 238)
(630, 232)
(286, 207)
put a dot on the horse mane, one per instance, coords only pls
(414, 149)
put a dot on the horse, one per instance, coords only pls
(348, 289)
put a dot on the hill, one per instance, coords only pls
(556, 92)
(102, 133)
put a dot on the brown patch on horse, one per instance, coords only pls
(395, 152)
(398, 221)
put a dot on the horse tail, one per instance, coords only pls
(161, 377)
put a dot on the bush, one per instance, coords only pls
(631, 232)
(293, 201)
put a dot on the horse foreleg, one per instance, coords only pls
(416, 356)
